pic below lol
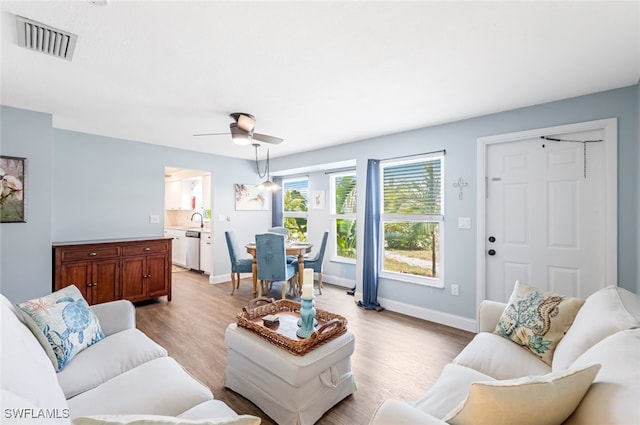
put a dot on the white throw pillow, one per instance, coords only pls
(548, 399)
(64, 324)
(449, 390)
(614, 395)
(604, 313)
(537, 320)
(162, 420)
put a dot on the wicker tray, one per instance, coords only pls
(283, 333)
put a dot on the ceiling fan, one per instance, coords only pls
(242, 131)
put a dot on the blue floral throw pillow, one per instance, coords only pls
(64, 324)
(537, 320)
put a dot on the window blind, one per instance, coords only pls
(413, 188)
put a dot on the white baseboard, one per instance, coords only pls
(435, 316)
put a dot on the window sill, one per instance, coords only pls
(342, 260)
(422, 281)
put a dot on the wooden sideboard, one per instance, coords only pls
(130, 269)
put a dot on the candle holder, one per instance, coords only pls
(307, 318)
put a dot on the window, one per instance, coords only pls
(295, 206)
(411, 219)
(343, 214)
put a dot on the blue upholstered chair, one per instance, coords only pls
(280, 230)
(283, 231)
(239, 263)
(315, 262)
(272, 261)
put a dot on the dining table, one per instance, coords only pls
(294, 248)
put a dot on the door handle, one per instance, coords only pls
(491, 252)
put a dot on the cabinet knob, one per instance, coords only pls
(147, 249)
(92, 254)
(148, 276)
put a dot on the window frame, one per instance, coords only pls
(438, 281)
(334, 216)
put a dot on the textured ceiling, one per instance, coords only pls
(314, 73)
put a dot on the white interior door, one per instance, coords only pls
(546, 215)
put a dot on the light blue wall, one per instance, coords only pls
(83, 187)
(460, 140)
(25, 248)
(107, 188)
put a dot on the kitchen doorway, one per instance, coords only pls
(187, 219)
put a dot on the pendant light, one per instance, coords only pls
(267, 184)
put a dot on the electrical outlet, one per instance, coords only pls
(154, 219)
(455, 290)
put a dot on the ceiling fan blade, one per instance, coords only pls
(212, 134)
(266, 138)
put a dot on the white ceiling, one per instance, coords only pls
(314, 73)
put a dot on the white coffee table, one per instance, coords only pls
(290, 389)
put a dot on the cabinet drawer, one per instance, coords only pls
(146, 248)
(90, 254)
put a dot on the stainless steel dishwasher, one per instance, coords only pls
(193, 249)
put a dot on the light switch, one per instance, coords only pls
(154, 219)
(464, 222)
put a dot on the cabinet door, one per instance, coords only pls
(78, 274)
(133, 277)
(157, 274)
(173, 195)
(105, 278)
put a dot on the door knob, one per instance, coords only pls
(492, 238)
(491, 252)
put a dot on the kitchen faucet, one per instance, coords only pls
(201, 218)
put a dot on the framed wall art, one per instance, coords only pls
(251, 198)
(317, 199)
(12, 195)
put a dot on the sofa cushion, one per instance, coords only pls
(613, 396)
(548, 399)
(110, 357)
(500, 358)
(537, 319)
(401, 413)
(604, 313)
(208, 409)
(449, 390)
(163, 420)
(157, 387)
(27, 372)
(64, 324)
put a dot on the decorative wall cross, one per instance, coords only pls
(460, 184)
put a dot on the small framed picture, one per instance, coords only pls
(13, 175)
(317, 199)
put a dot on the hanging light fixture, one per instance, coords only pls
(267, 184)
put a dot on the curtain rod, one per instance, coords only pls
(443, 151)
(340, 170)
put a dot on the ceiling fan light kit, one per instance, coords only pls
(242, 131)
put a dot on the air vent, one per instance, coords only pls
(45, 39)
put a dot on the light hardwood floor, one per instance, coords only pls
(396, 356)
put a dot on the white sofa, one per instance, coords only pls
(606, 331)
(126, 373)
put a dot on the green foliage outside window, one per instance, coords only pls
(295, 201)
(345, 203)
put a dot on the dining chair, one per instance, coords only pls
(239, 262)
(271, 260)
(316, 261)
(283, 231)
(280, 230)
